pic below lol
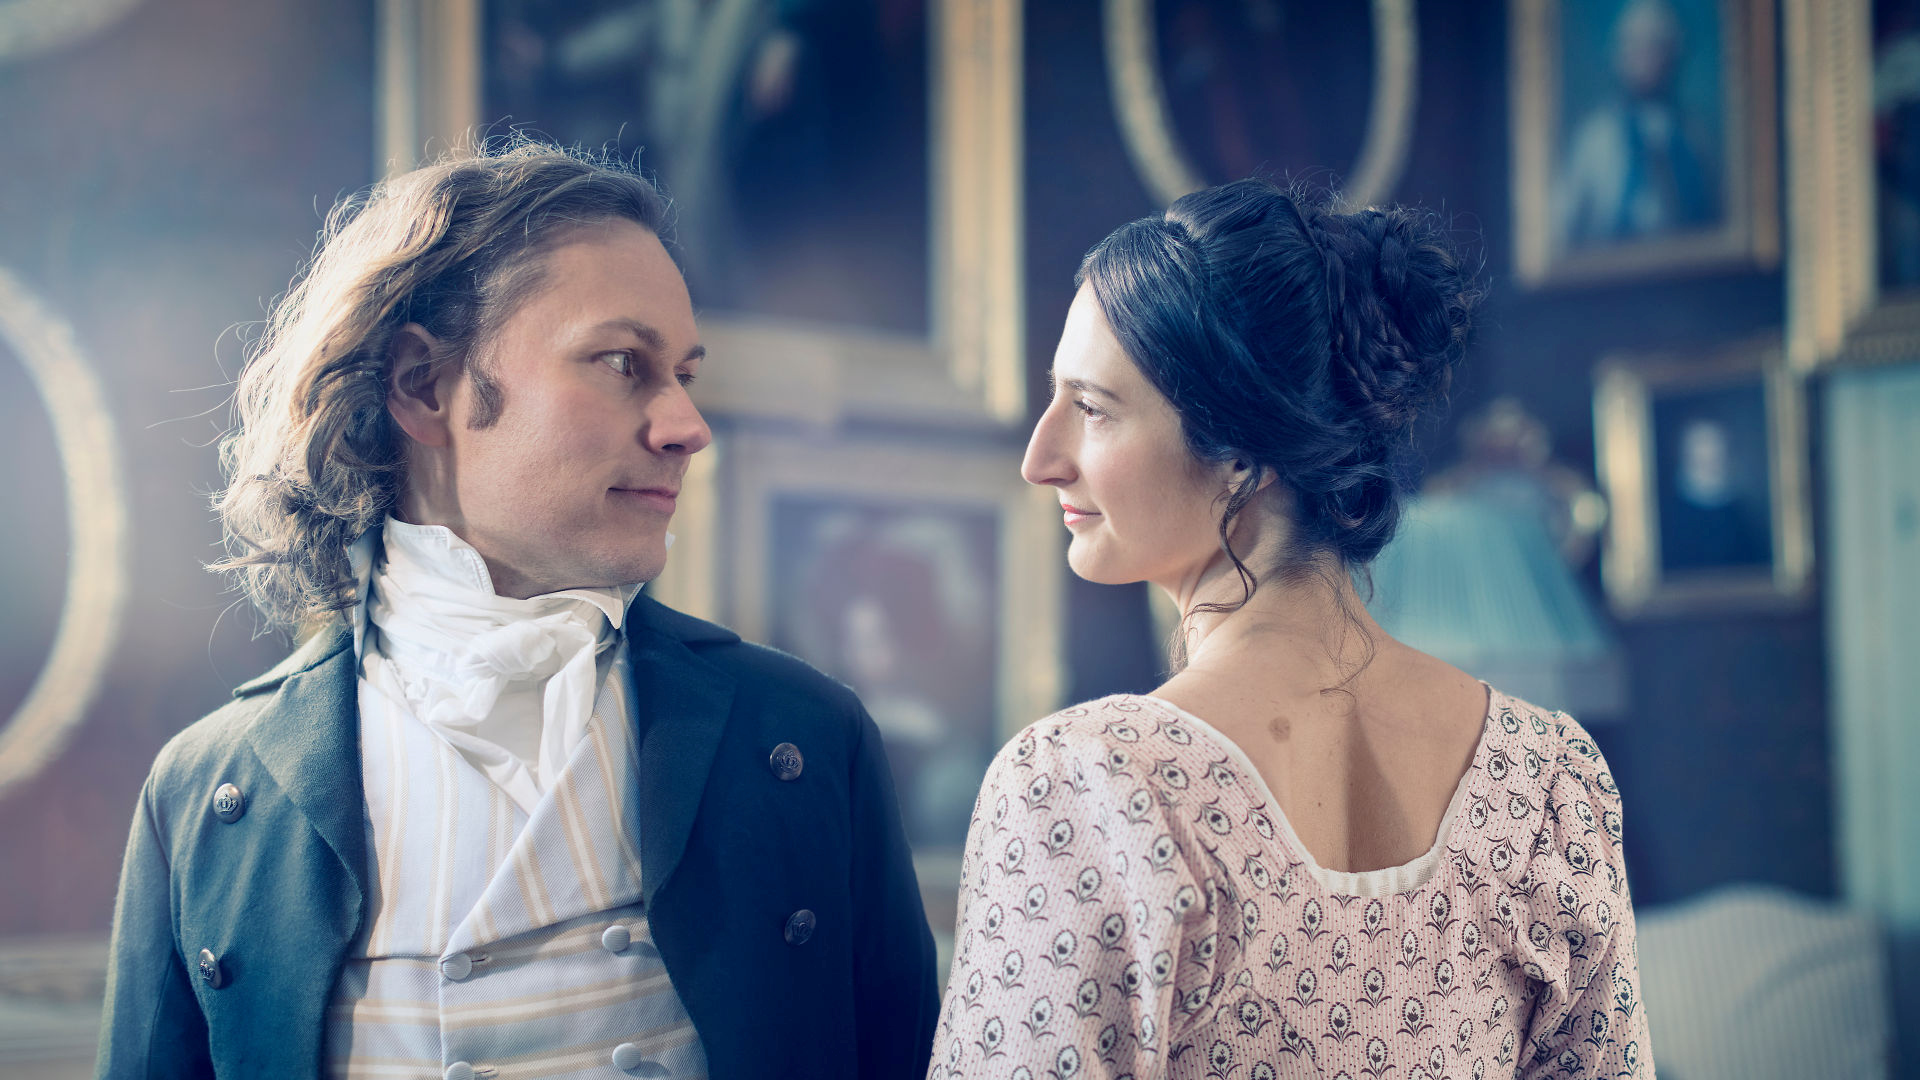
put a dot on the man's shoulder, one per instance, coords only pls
(760, 669)
(213, 743)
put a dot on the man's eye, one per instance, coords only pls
(620, 362)
(686, 377)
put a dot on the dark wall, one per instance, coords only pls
(1722, 754)
(164, 178)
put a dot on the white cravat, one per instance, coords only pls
(508, 683)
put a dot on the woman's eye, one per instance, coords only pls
(620, 362)
(1089, 410)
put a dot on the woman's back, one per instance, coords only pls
(1366, 771)
(1134, 902)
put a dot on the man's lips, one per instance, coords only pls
(653, 498)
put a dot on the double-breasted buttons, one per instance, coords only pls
(786, 762)
(228, 803)
(457, 967)
(800, 927)
(459, 1070)
(211, 972)
(616, 939)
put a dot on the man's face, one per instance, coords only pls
(574, 482)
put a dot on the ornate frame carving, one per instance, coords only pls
(1836, 311)
(1140, 102)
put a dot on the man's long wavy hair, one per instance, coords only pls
(314, 460)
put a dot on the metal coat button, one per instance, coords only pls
(786, 762)
(459, 1070)
(616, 940)
(457, 967)
(228, 803)
(211, 972)
(800, 927)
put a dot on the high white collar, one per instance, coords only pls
(508, 682)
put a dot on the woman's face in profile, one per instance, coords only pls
(1138, 504)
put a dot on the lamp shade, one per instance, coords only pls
(1479, 584)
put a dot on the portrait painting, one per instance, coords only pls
(1643, 141)
(792, 136)
(1703, 460)
(898, 601)
(1713, 502)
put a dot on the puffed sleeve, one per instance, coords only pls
(1588, 1020)
(1086, 937)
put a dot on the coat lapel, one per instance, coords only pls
(682, 704)
(309, 740)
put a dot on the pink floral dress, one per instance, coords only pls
(1134, 904)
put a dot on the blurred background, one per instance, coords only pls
(1677, 493)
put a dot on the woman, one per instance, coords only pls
(1313, 850)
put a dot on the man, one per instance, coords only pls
(498, 814)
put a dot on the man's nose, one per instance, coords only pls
(675, 425)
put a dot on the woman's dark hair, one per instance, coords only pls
(1297, 338)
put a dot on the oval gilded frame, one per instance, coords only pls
(97, 525)
(1140, 102)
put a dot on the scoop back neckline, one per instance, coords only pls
(1407, 877)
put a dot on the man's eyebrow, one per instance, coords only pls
(650, 338)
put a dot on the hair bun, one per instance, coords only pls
(1400, 308)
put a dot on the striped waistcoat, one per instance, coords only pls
(497, 944)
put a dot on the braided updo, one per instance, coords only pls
(1293, 337)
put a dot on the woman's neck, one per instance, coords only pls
(1311, 623)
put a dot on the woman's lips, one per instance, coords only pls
(1074, 515)
(662, 500)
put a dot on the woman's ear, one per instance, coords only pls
(1238, 469)
(419, 386)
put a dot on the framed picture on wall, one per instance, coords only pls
(1853, 157)
(925, 576)
(1643, 137)
(1704, 463)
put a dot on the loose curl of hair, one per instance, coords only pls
(1295, 338)
(314, 460)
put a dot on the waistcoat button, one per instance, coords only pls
(786, 762)
(616, 939)
(800, 927)
(228, 803)
(627, 1057)
(457, 967)
(459, 1070)
(211, 972)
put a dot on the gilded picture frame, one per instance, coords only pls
(1587, 206)
(765, 473)
(967, 375)
(1704, 462)
(1838, 310)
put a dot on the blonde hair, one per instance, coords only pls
(314, 460)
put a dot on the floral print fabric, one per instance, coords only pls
(1131, 905)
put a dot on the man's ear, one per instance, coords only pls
(420, 391)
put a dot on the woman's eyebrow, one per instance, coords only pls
(1085, 387)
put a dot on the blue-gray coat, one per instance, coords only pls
(728, 853)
